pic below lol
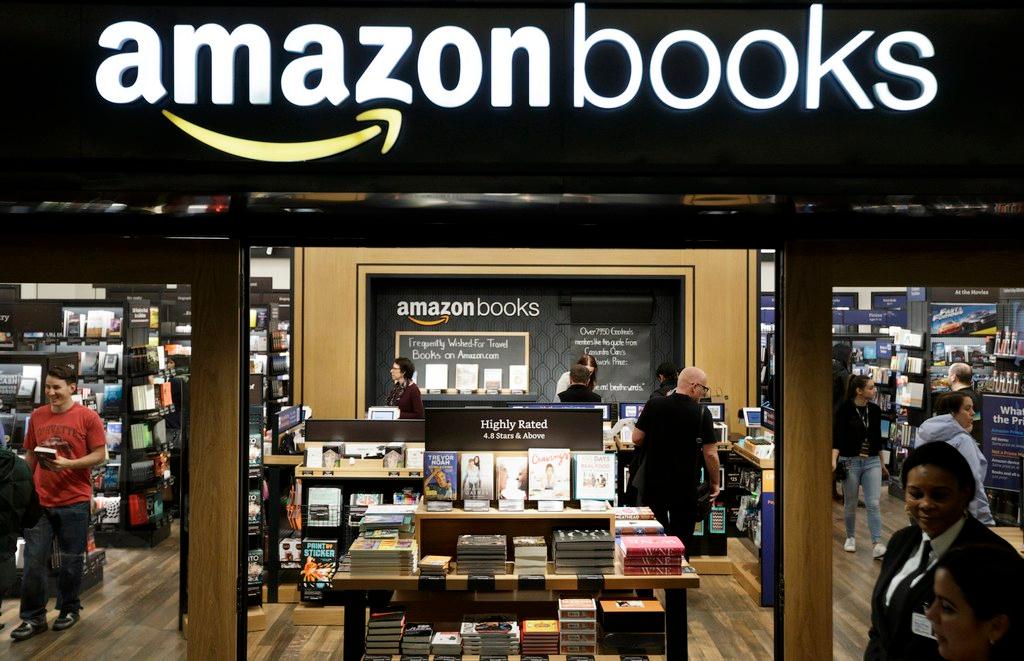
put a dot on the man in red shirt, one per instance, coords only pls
(65, 441)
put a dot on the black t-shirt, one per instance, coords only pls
(675, 427)
(849, 432)
(578, 393)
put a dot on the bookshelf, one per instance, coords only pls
(256, 513)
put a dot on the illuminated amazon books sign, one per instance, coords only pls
(318, 60)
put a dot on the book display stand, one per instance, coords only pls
(329, 526)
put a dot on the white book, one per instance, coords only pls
(595, 476)
(492, 378)
(549, 473)
(314, 456)
(477, 476)
(414, 458)
(436, 376)
(511, 477)
(518, 379)
(467, 376)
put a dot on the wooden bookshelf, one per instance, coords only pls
(357, 472)
(746, 453)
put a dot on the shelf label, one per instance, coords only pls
(476, 505)
(432, 583)
(510, 505)
(531, 582)
(439, 506)
(594, 505)
(480, 582)
(590, 582)
(550, 506)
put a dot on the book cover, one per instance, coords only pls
(652, 570)
(651, 545)
(319, 564)
(549, 473)
(511, 476)
(540, 626)
(436, 377)
(255, 509)
(290, 553)
(440, 475)
(518, 378)
(113, 434)
(478, 476)
(595, 476)
(633, 513)
(255, 448)
(365, 499)
(414, 458)
(255, 571)
(492, 378)
(324, 507)
(467, 376)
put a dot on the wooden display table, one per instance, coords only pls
(1012, 534)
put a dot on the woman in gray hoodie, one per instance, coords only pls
(952, 423)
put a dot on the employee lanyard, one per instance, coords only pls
(864, 417)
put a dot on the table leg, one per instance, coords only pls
(355, 625)
(675, 625)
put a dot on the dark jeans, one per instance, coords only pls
(677, 520)
(70, 525)
(8, 573)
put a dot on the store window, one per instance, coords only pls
(445, 418)
(98, 375)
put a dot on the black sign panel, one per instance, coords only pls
(487, 360)
(963, 294)
(513, 88)
(624, 358)
(511, 429)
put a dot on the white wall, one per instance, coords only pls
(272, 267)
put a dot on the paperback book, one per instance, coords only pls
(255, 572)
(319, 564)
(255, 510)
(440, 470)
(511, 477)
(324, 509)
(595, 476)
(549, 473)
(477, 476)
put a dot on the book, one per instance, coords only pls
(575, 608)
(518, 378)
(436, 376)
(255, 448)
(290, 553)
(549, 473)
(639, 528)
(440, 475)
(319, 564)
(477, 476)
(492, 378)
(324, 507)
(89, 363)
(466, 376)
(414, 458)
(255, 571)
(594, 476)
(633, 513)
(110, 362)
(643, 545)
(511, 474)
(113, 434)
(255, 511)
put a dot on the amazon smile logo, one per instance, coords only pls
(436, 313)
(315, 73)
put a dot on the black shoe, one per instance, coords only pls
(65, 621)
(27, 630)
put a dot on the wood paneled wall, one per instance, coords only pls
(212, 268)
(721, 321)
(809, 271)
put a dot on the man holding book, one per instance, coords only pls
(64, 441)
(673, 432)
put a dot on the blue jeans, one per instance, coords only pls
(70, 525)
(866, 473)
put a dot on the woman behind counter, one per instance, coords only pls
(405, 394)
(938, 486)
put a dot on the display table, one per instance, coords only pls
(1012, 534)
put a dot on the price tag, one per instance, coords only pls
(480, 582)
(532, 582)
(550, 505)
(634, 658)
(439, 506)
(579, 657)
(590, 582)
(476, 505)
(510, 506)
(432, 583)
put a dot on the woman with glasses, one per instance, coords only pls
(404, 393)
(856, 444)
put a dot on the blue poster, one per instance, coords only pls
(916, 294)
(884, 348)
(889, 301)
(1002, 422)
(847, 301)
(875, 317)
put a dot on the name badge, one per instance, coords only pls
(920, 625)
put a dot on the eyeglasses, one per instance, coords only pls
(702, 387)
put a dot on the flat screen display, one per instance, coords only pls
(717, 411)
(606, 409)
(288, 418)
(752, 417)
(630, 409)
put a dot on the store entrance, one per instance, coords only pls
(354, 311)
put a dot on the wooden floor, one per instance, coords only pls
(854, 575)
(133, 614)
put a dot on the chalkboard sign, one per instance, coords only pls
(467, 360)
(624, 358)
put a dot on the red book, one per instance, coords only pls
(642, 545)
(653, 570)
(652, 560)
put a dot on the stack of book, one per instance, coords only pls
(384, 632)
(481, 554)
(383, 556)
(435, 565)
(642, 555)
(490, 635)
(446, 642)
(633, 513)
(577, 624)
(389, 517)
(416, 639)
(583, 552)
(632, 626)
(540, 637)
(531, 554)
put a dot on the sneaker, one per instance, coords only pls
(65, 621)
(878, 551)
(27, 630)
(851, 545)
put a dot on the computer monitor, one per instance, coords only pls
(383, 413)
(717, 410)
(630, 409)
(751, 417)
(288, 417)
(606, 409)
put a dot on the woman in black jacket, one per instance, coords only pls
(857, 442)
(938, 485)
